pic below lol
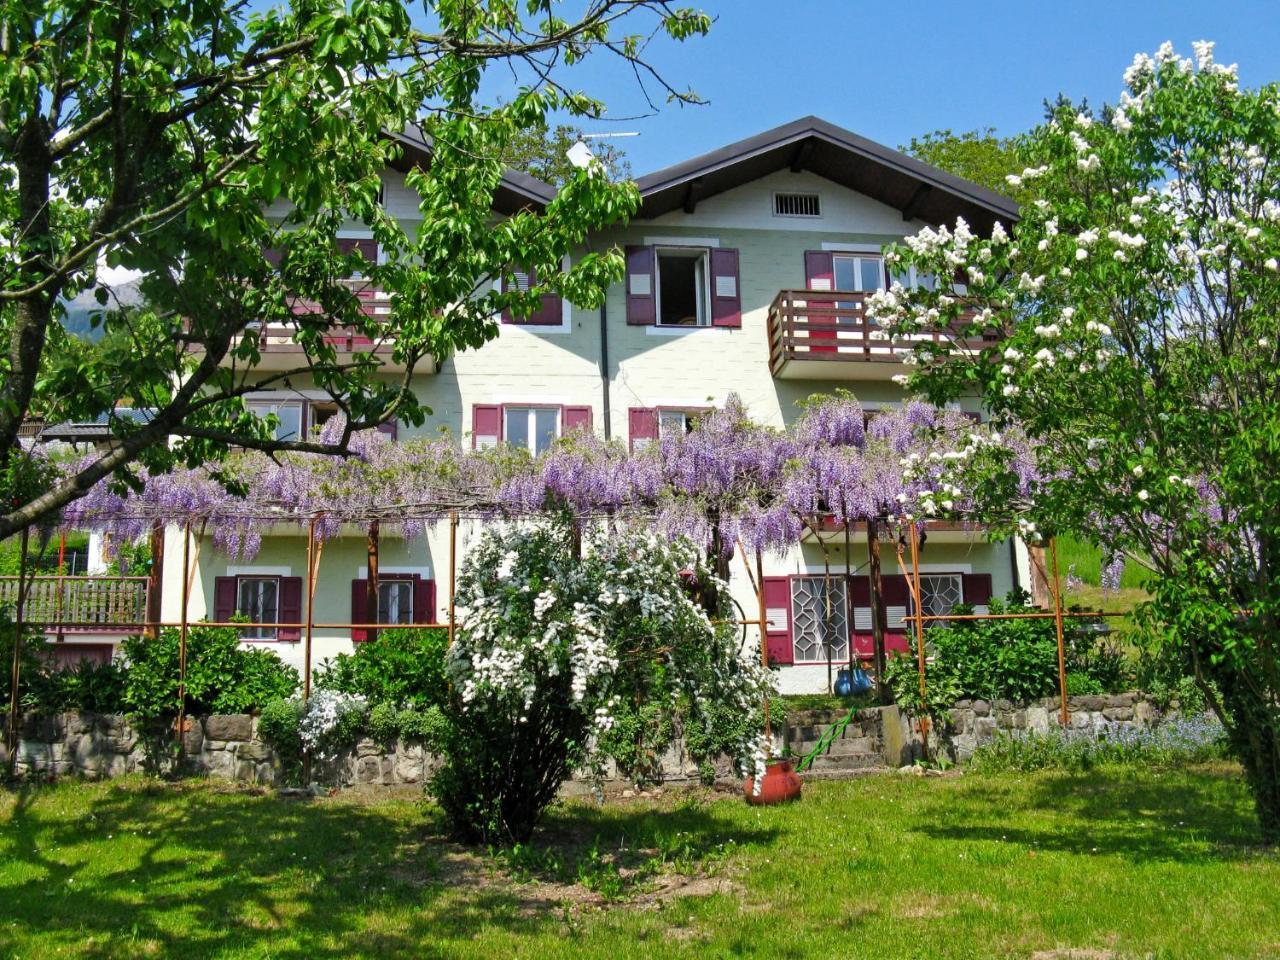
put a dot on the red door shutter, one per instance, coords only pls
(368, 248)
(819, 274)
(860, 616)
(575, 418)
(224, 599)
(486, 425)
(424, 601)
(389, 428)
(726, 293)
(360, 609)
(777, 615)
(290, 610)
(642, 426)
(977, 588)
(642, 306)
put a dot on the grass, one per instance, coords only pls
(1124, 863)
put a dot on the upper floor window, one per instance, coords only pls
(531, 428)
(858, 272)
(288, 414)
(682, 287)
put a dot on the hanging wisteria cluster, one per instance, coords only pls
(727, 481)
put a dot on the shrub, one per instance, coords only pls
(222, 677)
(331, 722)
(400, 667)
(384, 723)
(1006, 660)
(280, 725)
(88, 686)
(1183, 739)
(553, 648)
(34, 691)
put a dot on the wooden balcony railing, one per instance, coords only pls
(79, 604)
(822, 327)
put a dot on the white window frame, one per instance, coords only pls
(531, 411)
(253, 631)
(262, 408)
(400, 581)
(703, 304)
(857, 256)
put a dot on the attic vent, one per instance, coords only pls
(796, 205)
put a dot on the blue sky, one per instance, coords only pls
(889, 71)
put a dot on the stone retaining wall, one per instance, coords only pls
(96, 746)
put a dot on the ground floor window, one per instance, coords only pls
(940, 593)
(676, 423)
(395, 601)
(819, 619)
(258, 601)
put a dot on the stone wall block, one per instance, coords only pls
(229, 726)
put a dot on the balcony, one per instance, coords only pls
(80, 605)
(826, 335)
(281, 352)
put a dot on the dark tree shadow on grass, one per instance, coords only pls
(1188, 817)
(203, 871)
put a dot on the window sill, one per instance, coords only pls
(657, 331)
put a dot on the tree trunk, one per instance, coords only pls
(371, 583)
(1254, 733)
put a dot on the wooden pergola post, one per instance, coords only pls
(15, 675)
(182, 633)
(877, 609)
(371, 584)
(155, 582)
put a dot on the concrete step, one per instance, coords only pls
(856, 761)
(840, 747)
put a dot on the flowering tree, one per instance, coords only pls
(216, 150)
(1137, 313)
(552, 647)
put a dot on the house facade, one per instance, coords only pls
(746, 273)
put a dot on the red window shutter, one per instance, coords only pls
(486, 425)
(367, 248)
(290, 609)
(224, 599)
(977, 588)
(642, 306)
(777, 607)
(726, 292)
(360, 609)
(389, 428)
(860, 602)
(575, 418)
(896, 592)
(642, 424)
(424, 601)
(531, 280)
(860, 591)
(818, 267)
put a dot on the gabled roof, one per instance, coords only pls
(516, 190)
(810, 143)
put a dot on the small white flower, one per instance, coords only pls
(1138, 470)
(1143, 495)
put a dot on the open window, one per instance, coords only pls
(395, 600)
(320, 414)
(683, 293)
(676, 423)
(258, 601)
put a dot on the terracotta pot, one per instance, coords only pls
(781, 784)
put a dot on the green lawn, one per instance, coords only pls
(1122, 864)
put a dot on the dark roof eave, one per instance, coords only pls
(655, 187)
(516, 190)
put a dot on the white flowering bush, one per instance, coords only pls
(1128, 327)
(330, 721)
(556, 647)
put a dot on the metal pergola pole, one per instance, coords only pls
(764, 647)
(453, 570)
(15, 676)
(919, 631)
(1057, 623)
